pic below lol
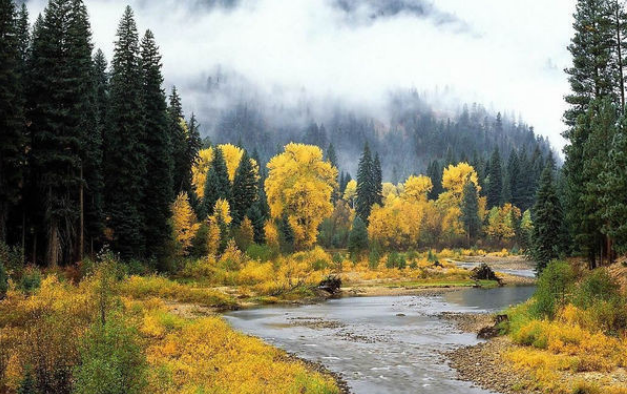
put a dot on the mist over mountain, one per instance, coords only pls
(409, 131)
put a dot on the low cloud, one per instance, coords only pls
(508, 55)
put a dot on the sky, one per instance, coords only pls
(506, 54)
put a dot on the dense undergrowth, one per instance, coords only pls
(112, 334)
(571, 336)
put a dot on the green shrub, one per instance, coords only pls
(338, 260)
(374, 257)
(261, 253)
(396, 260)
(31, 280)
(597, 285)
(554, 286)
(111, 360)
(28, 385)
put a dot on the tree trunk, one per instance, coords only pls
(53, 245)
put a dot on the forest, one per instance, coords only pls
(127, 226)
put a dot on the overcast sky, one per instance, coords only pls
(506, 54)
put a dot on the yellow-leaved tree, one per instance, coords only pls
(454, 179)
(397, 224)
(184, 223)
(200, 170)
(350, 193)
(232, 156)
(502, 222)
(299, 186)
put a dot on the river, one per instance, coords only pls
(380, 344)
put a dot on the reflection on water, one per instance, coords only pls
(380, 344)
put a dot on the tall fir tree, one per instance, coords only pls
(217, 185)
(547, 219)
(91, 223)
(366, 193)
(470, 211)
(158, 194)
(178, 138)
(613, 196)
(591, 77)
(62, 119)
(601, 119)
(434, 171)
(12, 130)
(244, 191)
(495, 186)
(377, 179)
(125, 161)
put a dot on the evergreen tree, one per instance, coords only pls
(332, 156)
(601, 119)
(358, 238)
(547, 222)
(125, 161)
(377, 179)
(159, 167)
(258, 220)
(512, 184)
(194, 141)
(178, 138)
(434, 171)
(92, 215)
(63, 123)
(12, 132)
(101, 77)
(613, 196)
(470, 211)
(217, 185)
(244, 191)
(495, 187)
(366, 191)
(592, 76)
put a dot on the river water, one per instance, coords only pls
(380, 344)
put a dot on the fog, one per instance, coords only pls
(508, 55)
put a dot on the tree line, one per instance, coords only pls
(90, 153)
(582, 208)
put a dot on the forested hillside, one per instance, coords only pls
(408, 136)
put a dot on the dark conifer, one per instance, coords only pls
(159, 166)
(125, 162)
(244, 191)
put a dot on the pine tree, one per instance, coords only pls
(358, 238)
(365, 185)
(258, 221)
(101, 77)
(512, 184)
(601, 119)
(125, 162)
(62, 116)
(194, 141)
(12, 132)
(217, 185)
(159, 166)
(377, 179)
(592, 76)
(178, 138)
(613, 196)
(434, 171)
(470, 211)
(547, 222)
(244, 191)
(495, 187)
(91, 193)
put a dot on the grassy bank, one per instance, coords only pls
(570, 338)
